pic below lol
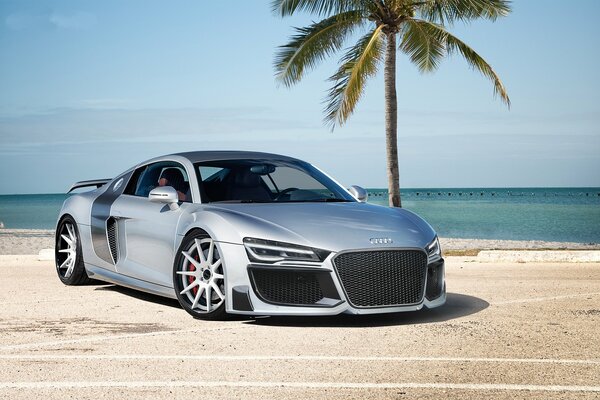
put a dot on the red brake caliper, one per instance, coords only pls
(191, 278)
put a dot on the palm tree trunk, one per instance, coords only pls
(391, 121)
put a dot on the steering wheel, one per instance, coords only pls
(284, 192)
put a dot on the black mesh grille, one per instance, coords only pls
(382, 277)
(111, 231)
(286, 286)
(435, 282)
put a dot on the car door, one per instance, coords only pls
(147, 230)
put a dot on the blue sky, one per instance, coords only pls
(88, 89)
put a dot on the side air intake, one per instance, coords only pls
(113, 239)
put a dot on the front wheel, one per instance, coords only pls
(198, 277)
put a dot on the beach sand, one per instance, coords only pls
(507, 331)
(31, 241)
(25, 241)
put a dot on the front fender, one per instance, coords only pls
(232, 226)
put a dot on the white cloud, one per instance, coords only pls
(19, 21)
(79, 20)
(461, 154)
(106, 104)
(144, 125)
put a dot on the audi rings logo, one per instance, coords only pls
(381, 240)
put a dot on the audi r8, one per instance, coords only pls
(228, 232)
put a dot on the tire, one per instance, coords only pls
(68, 255)
(198, 273)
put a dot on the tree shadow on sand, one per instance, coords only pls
(457, 305)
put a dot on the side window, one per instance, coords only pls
(148, 180)
(133, 182)
(164, 173)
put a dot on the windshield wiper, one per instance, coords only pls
(240, 201)
(325, 200)
(322, 200)
(334, 200)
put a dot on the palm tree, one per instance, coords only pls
(419, 26)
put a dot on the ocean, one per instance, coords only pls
(548, 214)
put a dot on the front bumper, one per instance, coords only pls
(244, 296)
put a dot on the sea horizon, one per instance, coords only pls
(401, 189)
(555, 214)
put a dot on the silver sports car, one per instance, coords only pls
(248, 233)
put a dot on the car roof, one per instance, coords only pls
(200, 156)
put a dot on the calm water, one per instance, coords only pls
(566, 215)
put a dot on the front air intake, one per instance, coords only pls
(288, 287)
(435, 280)
(382, 278)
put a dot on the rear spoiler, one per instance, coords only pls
(94, 182)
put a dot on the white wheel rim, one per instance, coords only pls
(202, 280)
(69, 241)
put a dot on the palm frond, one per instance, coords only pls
(477, 62)
(424, 47)
(285, 8)
(453, 44)
(357, 65)
(449, 11)
(312, 44)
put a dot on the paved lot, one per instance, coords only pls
(508, 331)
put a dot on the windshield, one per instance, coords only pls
(261, 181)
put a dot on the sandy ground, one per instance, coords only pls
(25, 241)
(31, 241)
(508, 331)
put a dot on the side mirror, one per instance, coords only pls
(359, 193)
(166, 195)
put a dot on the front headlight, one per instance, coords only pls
(434, 250)
(268, 251)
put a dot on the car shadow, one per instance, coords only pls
(152, 298)
(156, 299)
(457, 305)
(93, 282)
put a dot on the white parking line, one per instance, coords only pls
(58, 343)
(158, 357)
(538, 299)
(295, 385)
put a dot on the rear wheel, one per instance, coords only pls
(68, 255)
(198, 277)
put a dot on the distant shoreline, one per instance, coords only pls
(496, 218)
(411, 189)
(31, 241)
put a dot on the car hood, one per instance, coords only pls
(330, 226)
